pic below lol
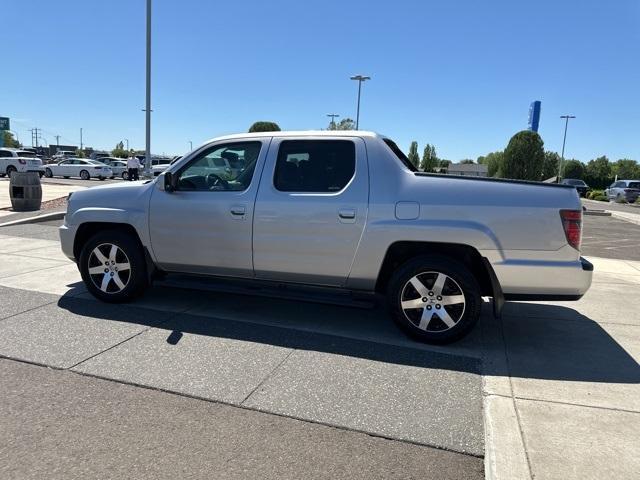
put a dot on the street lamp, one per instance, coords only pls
(127, 140)
(190, 145)
(360, 79)
(147, 155)
(566, 124)
(332, 116)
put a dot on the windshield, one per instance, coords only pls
(575, 183)
(24, 153)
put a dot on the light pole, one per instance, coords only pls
(566, 124)
(190, 145)
(127, 140)
(360, 79)
(147, 154)
(332, 116)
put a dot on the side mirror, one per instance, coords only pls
(169, 182)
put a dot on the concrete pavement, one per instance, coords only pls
(60, 425)
(559, 382)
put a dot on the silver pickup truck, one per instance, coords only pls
(343, 210)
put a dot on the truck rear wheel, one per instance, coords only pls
(434, 299)
(113, 267)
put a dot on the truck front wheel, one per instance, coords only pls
(112, 266)
(434, 299)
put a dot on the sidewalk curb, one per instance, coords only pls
(627, 217)
(36, 219)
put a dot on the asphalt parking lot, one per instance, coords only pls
(189, 381)
(608, 237)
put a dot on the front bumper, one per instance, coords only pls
(67, 236)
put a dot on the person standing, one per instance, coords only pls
(133, 165)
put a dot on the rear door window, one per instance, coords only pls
(321, 166)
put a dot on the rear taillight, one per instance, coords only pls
(572, 224)
(22, 161)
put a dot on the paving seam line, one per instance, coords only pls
(268, 376)
(171, 317)
(513, 400)
(582, 405)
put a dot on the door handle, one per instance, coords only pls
(347, 213)
(238, 210)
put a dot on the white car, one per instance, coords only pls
(16, 160)
(78, 167)
(158, 165)
(118, 167)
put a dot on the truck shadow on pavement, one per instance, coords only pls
(537, 341)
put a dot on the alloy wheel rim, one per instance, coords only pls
(109, 268)
(432, 301)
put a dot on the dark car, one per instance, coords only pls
(579, 185)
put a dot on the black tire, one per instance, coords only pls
(65, 177)
(136, 280)
(10, 170)
(460, 282)
(48, 173)
(101, 178)
(84, 175)
(125, 175)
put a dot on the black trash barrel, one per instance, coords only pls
(25, 191)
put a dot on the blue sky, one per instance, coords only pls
(457, 74)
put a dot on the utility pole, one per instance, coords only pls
(127, 140)
(81, 138)
(57, 140)
(360, 79)
(566, 124)
(332, 116)
(35, 136)
(147, 155)
(190, 145)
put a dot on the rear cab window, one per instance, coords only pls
(399, 154)
(319, 166)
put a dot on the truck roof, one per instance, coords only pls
(302, 133)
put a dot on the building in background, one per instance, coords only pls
(534, 115)
(468, 169)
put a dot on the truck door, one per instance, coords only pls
(311, 209)
(205, 225)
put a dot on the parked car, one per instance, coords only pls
(62, 154)
(623, 190)
(78, 167)
(18, 160)
(159, 165)
(118, 167)
(343, 210)
(578, 184)
(100, 156)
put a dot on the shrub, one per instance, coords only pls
(264, 127)
(524, 156)
(601, 198)
(595, 193)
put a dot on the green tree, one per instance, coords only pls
(573, 169)
(120, 152)
(598, 172)
(264, 127)
(10, 141)
(550, 165)
(344, 124)
(429, 158)
(626, 168)
(493, 161)
(80, 153)
(467, 161)
(524, 156)
(413, 156)
(445, 163)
